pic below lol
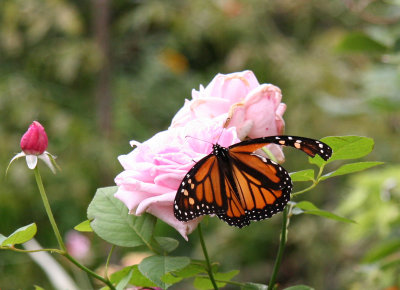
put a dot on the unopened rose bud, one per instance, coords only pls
(34, 141)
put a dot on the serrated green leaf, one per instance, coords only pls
(124, 281)
(310, 208)
(350, 168)
(21, 235)
(167, 244)
(348, 147)
(254, 286)
(111, 221)
(299, 287)
(84, 226)
(382, 251)
(156, 267)
(205, 283)
(360, 42)
(303, 175)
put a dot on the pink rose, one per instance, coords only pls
(255, 110)
(155, 168)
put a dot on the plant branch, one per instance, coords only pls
(209, 269)
(48, 209)
(90, 272)
(282, 244)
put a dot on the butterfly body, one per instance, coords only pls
(239, 185)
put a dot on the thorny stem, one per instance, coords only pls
(209, 269)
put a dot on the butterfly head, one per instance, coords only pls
(220, 151)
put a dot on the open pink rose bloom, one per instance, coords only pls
(154, 170)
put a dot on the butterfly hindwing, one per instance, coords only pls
(263, 188)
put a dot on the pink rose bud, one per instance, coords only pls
(34, 141)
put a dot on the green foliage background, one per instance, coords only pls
(337, 63)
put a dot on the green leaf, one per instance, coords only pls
(299, 287)
(137, 278)
(84, 226)
(168, 244)
(310, 208)
(111, 221)
(360, 42)
(36, 287)
(193, 269)
(303, 175)
(350, 168)
(254, 286)
(382, 251)
(205, 282)
(156, 267)
(171, 279)
(349, 147)
(21, 235)
(124, 281)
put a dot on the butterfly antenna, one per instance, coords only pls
(198, 139)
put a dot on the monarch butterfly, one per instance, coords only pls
(239, 185)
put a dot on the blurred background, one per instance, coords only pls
(100, 73)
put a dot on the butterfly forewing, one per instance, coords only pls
(200, 191)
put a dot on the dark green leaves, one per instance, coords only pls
(111, 221)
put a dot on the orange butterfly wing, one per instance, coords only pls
(262, 189)
(201, 191)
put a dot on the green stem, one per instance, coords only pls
(63, 249)
(48, 209)
(314, 184)
(108, 261)
(32, 251)
(90, 272)
(209, 269)
(282, 244)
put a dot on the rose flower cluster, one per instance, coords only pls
(154, 170)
